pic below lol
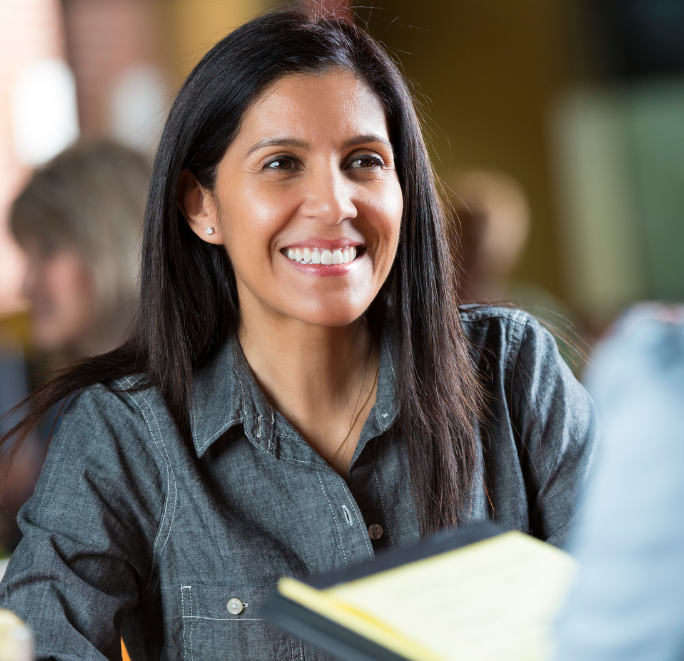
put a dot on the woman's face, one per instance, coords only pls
(307, 201)
(60, 288)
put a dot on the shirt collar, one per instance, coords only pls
(226, 394)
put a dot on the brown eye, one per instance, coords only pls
(366, 162)
(280, 164)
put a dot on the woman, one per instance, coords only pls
(300, 390)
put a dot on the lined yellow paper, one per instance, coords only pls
(484, 602)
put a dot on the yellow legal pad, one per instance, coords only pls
(489, 600)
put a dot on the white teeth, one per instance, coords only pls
(342, 255)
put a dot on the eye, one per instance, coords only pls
(281, 163)
(366, 162)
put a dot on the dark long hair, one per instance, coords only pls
(189, 304)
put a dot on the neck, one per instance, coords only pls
(316, 376)
(309, 364)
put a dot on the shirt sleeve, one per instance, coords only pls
(556, 429)
(627, 603)
(84, 557)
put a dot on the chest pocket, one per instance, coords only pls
(223, 623)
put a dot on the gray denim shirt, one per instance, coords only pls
(132, 529)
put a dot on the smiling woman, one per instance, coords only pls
(289, 208)
(301, 389)
(322, 181)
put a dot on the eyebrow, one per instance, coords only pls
(368, 137)
(293, 142)
(276, 142)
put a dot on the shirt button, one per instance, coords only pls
(235, 606)
(375, 531)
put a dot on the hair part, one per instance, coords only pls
(189, 304)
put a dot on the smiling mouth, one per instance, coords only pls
(342, 255)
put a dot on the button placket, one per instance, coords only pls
(354, 532)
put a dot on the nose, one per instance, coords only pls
(329, 198)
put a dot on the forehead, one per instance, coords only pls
(332, 106)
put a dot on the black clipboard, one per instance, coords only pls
(348, 645)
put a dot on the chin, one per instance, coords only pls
(334, 316)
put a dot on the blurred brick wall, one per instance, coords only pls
(105, 39)
(29, 30)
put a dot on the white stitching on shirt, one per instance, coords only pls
(382, 502)
(332, 511)
(192, 625)
(185, 646)
(169, 474)
(313, 464)
(272, 434)
(384, 423)
(347, 493)
(173, 475)
(183, 615)
(224, 619)
(206, 444)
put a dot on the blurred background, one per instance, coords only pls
(557, 127)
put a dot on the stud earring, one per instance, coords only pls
(209, 230)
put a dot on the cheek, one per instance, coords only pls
(252, 220)
(384, 212)
(394, 211)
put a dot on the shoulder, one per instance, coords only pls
(110, 448)
(115, 422)
(477, 313)
(116, 402)
(479, 321)
(505, 333)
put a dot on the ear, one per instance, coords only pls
(198, 208)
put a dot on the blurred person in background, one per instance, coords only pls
(492, 211)
(79, 220)
(628, 601)
(492, 214)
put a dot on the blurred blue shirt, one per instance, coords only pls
(628, 602)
